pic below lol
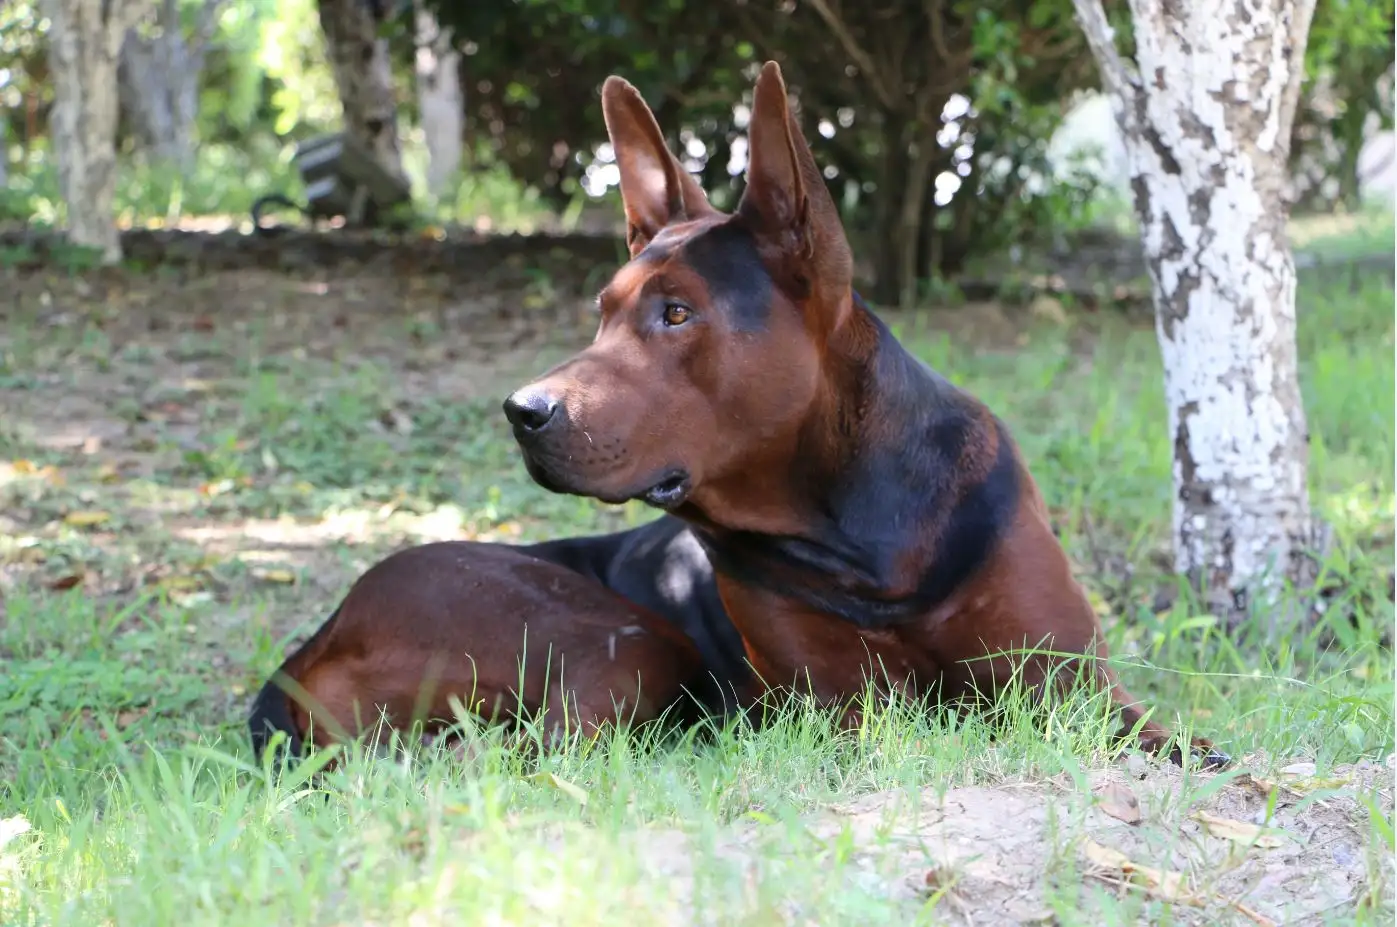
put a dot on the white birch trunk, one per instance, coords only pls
(364, 76)
(84, 43)
(1205, 116)
(439, 100)
(159, 74)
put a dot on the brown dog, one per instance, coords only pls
(867, 520)
(499, 628)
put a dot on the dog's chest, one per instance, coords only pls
(789, 644)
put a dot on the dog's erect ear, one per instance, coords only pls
(786, 201)
(655, 188)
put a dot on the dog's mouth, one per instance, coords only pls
(670, 491)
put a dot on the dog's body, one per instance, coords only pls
(631, 619)
(867, 520)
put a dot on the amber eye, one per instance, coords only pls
(675, 314)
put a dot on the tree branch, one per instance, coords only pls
(1101, 38)
(933, 10)
(856, 52)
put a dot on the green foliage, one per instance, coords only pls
(536, 67)
(292, 55)
(533, 68)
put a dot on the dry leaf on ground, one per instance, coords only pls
(1238, 831)
(562, 785)
(1117, 800)
(1165, 885)
(86, 518)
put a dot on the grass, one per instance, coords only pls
(193, 470)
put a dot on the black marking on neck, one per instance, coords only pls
(885, 501)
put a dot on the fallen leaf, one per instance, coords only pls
(127, 718)
(86, 518)
(1238, 831)
(180, 583)
(1299, 770)
(1165, 885)
(66, 582)
(939, 878)
(1105, 857)
(555, 781)
(1316, 784)
(285, 577)
(1117, 800)
(1263, 787)
(396, 420)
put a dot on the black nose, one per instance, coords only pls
(529, 409)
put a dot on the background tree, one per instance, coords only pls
(363, 70)
(1347, 98)
(85, 39)
(932, 156)
(1205, 110)
(159, 73)
(440, 105)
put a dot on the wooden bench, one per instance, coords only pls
(342, 179)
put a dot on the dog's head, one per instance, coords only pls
(712, 337)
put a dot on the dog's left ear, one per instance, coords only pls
(655, 188)
(786, 201)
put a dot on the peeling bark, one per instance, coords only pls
(1205, 113)
(440, 101)
(159, 81)
(364, 76)
(84, 43)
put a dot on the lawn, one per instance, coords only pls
(194, 467)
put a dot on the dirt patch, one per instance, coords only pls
(1004, 854)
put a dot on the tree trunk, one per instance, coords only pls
(1207, 147)
(892, 173)
(916, 188)
(159, 81)
(439, 99)
(84, 43)
(4, 154)
(364, 77)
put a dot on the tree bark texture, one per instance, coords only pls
(84, 44)
(1205, 113)
(364, 77)
(159, 81)
(440, 100)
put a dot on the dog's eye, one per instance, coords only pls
(676, 314)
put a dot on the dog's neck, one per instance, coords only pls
(897, 492)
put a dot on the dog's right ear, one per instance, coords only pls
(655, 188)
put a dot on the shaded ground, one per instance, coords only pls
(195, 463)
